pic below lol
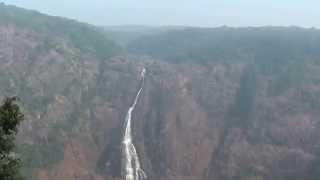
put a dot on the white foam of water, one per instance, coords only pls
(132, 169)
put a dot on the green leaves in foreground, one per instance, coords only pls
(10, 118)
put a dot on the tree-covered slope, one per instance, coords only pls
(61, 69)
(82, 36)
(258, 86)
(218, 104)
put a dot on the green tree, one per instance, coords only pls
(10, 118)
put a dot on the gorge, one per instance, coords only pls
(215, 103)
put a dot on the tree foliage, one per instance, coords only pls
(10, 118)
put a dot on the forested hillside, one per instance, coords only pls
(260, 87)
(59, 68)
(217, 104)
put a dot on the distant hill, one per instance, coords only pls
(227, 44)
(83, 36)
(125, 34)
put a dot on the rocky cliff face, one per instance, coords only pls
(223, 119)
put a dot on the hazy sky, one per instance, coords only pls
(182, 12)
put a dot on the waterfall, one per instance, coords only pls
(131, 163)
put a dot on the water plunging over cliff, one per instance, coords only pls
(131, 163)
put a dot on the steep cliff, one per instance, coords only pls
(218, 104)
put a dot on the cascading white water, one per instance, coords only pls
(132, 167)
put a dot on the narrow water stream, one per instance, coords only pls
(131, 163)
